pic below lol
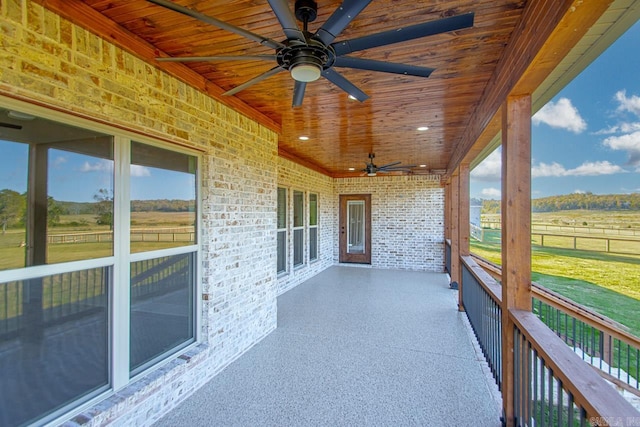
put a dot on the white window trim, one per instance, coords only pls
(302, 227)
(316, 226)
(119, 373)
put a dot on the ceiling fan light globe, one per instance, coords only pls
(305, 72)
(371, 174)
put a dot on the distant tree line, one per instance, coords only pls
(13, 208)
(586, 201)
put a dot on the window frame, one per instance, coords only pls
(118, 298)
(298, 229)
(314, 227)
(282, 231)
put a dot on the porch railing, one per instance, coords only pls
(481, 299)
(551, 386)
(447, 256)
(603, 343)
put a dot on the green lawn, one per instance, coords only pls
(606, 283)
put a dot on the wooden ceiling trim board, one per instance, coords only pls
(81, 14)
(536, 26)
(287, 155)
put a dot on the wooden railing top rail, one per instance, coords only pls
(588, 388)
(484, 279)
(580, 312)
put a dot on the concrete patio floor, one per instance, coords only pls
(357, 347)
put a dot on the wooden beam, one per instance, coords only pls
(88, 18)
(516, 232)
(546, 32)
(287, 155)
(447, 210)
(455, 230)
(463, 223)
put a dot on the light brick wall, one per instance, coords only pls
(51, 62)
(295, 177)
(407, 220)
(48, 60)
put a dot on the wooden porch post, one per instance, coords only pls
(447, 209)
(454, 231)
(516, 231)
(463, 223)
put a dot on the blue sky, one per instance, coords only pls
(78, 178)
(587, 138)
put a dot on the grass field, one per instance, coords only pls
(607, 283)
(13, 250)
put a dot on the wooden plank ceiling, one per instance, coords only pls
(341, 131)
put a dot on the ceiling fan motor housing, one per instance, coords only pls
(306, 11)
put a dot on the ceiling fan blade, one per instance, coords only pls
(389, 165)
(404, 34)
(385, 67)
(243, 86)
(287, 19)
(298, 93)
(339, 20)
(217, 23)
(10, 126)
(398, 169)
(217, 58)
(344, 84)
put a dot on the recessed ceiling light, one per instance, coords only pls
(423, 166)
(423, 128)
(353, 98)
(352, 169)
(303, 138)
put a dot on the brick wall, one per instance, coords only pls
(407, 220)
(295, 177)
(53, 63)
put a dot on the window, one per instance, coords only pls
(313, 227)
(125, 213)
(163, 217)
(298, 228)
(282, 230)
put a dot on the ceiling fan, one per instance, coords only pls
(309, 56)
(371, 169)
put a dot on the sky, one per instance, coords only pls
(587, 138)
(77, 177)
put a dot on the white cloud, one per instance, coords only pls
(577, 191)
(586, 169)
(492, 193)
(490, 169)
(620, 128)
(629, 143)
(59, 161)
(561, 115)
(99, 166)
(137, 170)
(631, 104)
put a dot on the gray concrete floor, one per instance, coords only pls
(355, 347)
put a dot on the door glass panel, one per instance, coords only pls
(355, 226)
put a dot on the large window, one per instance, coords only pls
(98, 248)
(313, 227)
(163, 217)
(282, 230)
(298, 228)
